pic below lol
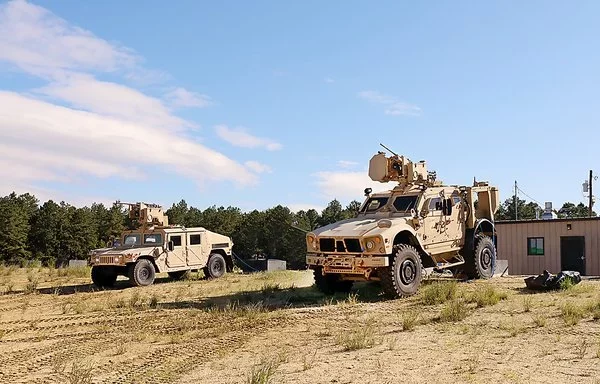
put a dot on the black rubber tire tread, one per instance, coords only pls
(478, 270)
(330, 284)
(210, 271)
(103, 277)
(134, 273)
(390, 281)
(178, 275)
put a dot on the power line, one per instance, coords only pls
(531, 198)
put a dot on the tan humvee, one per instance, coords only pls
(158, 247)
(402, 235)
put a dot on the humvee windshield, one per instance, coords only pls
(132, 239)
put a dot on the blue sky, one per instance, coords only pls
(254, 104)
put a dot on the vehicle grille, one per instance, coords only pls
(327, 245)
(340, 246)
(107, 260)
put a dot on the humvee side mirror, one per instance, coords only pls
(368, 191)
(171, 246)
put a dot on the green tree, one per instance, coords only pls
(48, 235)
(15, 216)
(249, 238)
(525, 210)
(570, 210)
(332, 213)
(177, 213)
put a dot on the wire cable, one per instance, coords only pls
(243, 262)
(531, 198)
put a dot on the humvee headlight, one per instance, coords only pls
(97, 259)
(312, 242)
(116, 259)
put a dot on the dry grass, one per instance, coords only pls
(438, 292)
(229, 323)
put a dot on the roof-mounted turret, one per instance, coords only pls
(147, 215)
(401, 169)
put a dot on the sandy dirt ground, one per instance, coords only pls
(59, 329)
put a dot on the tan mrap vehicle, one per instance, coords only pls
(401, 235)
(157, 247)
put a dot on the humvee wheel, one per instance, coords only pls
(103, 276)
(483, 264)
(216, 266)
(178, 275)
(330, 284)
(142, 273)
(403, 277)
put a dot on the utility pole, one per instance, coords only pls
(591, 196)
(516, 215)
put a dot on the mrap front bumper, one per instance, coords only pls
(349, 265)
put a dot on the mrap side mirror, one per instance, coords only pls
(447, 207)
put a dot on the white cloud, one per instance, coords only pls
(182, 98)
(347, 185)
(329, 80)
(392, 105)
(240, 137)
(86, 143)
(39, 42)
(347, 164)
(111, 99)
(257, 167)
(100, 129)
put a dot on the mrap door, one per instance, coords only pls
(572, 253)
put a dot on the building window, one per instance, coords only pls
(535, 246)
(194, 239)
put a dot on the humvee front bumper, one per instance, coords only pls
(347, 264)
(111, 260)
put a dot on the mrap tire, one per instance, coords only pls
(403, 277)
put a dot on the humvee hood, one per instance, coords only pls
(123, 250)
(354, 227)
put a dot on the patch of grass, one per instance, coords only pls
(582, 349)
(540, 320)
(264, 371)
(270, 288)
(571, 313)
(409, 320)
(527, 301)
(487, 296)
(360, 337)
(135, 299)
(439, 292)
(309, 361)
(79, 373)
(153, 303)
(454, 310)
(120, 349)
(512, 327)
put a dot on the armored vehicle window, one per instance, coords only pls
(132, 239)
(375, 203)
(405, 203)
(194, 239)
(435, 204)
(176, 241)
(154, 238)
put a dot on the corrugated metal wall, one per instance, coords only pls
(512, 244)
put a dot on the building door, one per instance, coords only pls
(572, 253)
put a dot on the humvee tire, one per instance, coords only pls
(103, 276)
(330, 284)
(403, 277)
(178, 275)
(216, 266)
(142, 273)
(482, 263)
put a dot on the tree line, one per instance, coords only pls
(53, 233)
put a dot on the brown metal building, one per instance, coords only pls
(530, 246)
